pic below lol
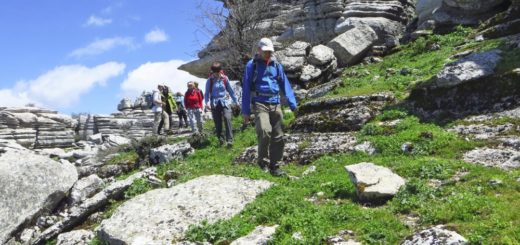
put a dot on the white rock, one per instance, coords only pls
(163, 215)
(167, 153)
(85, 188)
(77, 237)
(374, 183)
(261, 235)
(435, 235)
(29, 186)
(321, 55)
(350, 47)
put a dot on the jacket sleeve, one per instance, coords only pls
(231, 91)
(246, 90)
(287, 89)
(206, 91)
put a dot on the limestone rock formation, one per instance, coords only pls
(22, 200)
(374, 183)
(339, 114)
(167, 153)
(35, 127)
(85, 188)
(163, 215)
(77, 237)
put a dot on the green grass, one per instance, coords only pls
(481, 212)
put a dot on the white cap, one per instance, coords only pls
(265, 44)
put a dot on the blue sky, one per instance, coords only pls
(85, 56)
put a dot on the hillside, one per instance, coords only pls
(418, 144)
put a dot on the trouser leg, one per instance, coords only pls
(191, 117)
(156, 122)
(263, 131)
(216, 113)
(276, 144)
(166, 121)
(198, 117)
(227, 123)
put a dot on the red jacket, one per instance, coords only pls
(193, 99)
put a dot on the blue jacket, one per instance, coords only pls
(218, 92)
(267, 88)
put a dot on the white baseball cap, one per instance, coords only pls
(265, 44)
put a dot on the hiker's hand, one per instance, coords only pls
(247, 118)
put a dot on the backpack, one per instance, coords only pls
(255, 74)
(211, 79)
(148, 100)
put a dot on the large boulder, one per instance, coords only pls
(374, 183)
(339, 114)
(304, 148)
(29, 186)
(435, 235)
(321, 55)
(473, 67)
(351, 46)
(163, 215)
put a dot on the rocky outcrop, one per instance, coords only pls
(318, 22)
(351, 46)
(470, 86)
(167, 153)
(481, 131)
(163, 215)
(78, 213)
(23, 200)
(436, 235)
(473, 67)
(374, 183)
(304, 148)
(85, 188)
(35, 127)
(449, 13)
(339, 114)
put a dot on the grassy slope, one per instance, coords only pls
(483, 213)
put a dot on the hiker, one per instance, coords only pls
(263, 84)
(181, 110)
(159, 113)
(193, 101)
(218, 90)
(169, 106)
(197, 87)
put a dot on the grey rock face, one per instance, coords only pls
(77, 237)
(85, 188)
(163, 215)
(167, 153)
(304, 148)
(339, 114)
(261, 235)
(472, 67)
(321, 55)
(35, 127)
(505, 158)
(351, 46)
(374, 183)
(450, 13)
(78, 213)
(436, 235)
(23, 200)
(481, 131)
(323, 89)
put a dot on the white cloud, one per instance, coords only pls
(97, 21)
(156, 36)
(103, 45)
(60, 87)
(147, 76)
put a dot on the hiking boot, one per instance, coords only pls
(264, 166)
(221, 142)
(277, 172)
(229, 144)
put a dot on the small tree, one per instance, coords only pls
(236, 27)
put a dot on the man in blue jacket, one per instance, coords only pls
(217, 90)
(263, 85)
